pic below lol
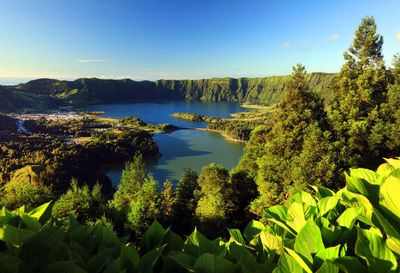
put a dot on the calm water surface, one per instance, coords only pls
(181, 148)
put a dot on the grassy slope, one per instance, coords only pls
(45, 93)
(12, 100)
(267, 90)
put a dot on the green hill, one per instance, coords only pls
(13, 100)
(43, 94)
(266, 91)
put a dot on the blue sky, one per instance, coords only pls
(149, 39)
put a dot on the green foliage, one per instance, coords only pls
(214, 203)
(19, 193)
(185, 202)
(168, 198)
(137, 202)
(296, 149)
(50, 162)
(224, 199)
(83, 204)
(243, 123)
(144, 207)
(352, 230)
(132, 179)
(359, 91)
(194, 117)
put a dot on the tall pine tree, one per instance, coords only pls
(215, 203)
(185, 202)
(300, 130)
(359, 90)
(132, 179)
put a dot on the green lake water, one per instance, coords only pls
(182, 148)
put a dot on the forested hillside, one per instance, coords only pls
(266, 91)
(43, 94)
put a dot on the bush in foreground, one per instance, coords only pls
(356, 229)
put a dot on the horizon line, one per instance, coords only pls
(29, 79)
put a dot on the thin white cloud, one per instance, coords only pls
(91, 61)
(288, 45)
(307, 45)
(334, 37)
(398, 37)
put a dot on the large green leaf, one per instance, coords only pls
(328, 267)
(287, 264)
(362, 186)
(276, 212)
(349, 264)
(184, 260)
(395, 163)
(253, 229)
(62, 267)
(236, 236)
(322, 192)
(279, 215)
(368, 175)
(309, 241)
(393, 244)
(373, 249)
(348, 217)
(14, 235)
(152, 237)
(271, 242)
(354, 200)
(148, 260)
(98, 261)
(303, 197)
(31, 223)
(129, 257)
(296, 218)
(299, 259)
(327, 204)
(197, 244)
(105, 235)
(384, 169)
(209, 263)
(241, 254)
(326, 254)
(172, 240)
(41, 213)
(390, 198)
(330, 233)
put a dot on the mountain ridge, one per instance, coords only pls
(42, 94)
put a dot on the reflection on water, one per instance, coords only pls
(182, 148)
(158, 112)
(185, 148)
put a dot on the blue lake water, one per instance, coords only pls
(182, 148)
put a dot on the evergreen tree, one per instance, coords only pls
(168, 195)
(144, 207)
(133, 177)
(299, 129)
(215, 204)
(83, 204)
(254, 149)
(16, 194)
(389, 125)
(244, 191)
(185, 201)
(359, 90)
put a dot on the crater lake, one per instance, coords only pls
(182, 148)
